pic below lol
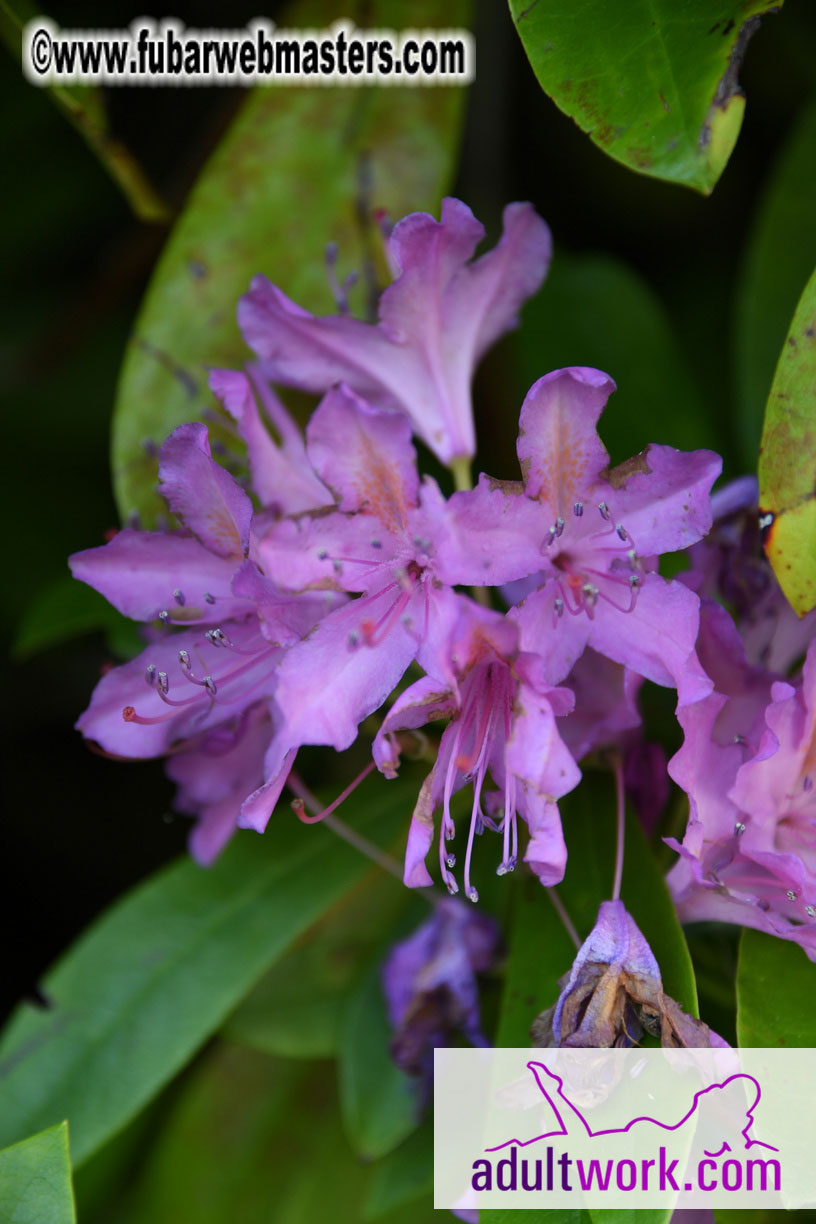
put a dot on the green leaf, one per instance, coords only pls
(775, 990)
(379, 1103)
(297, 169)
(596, 311)
(35, 1180)
(540, 952)
(654, 86)
(156, 975)
(402, 1176)
(296, 1009)
(84, 108)
(252, 1139)
(66, 609)
(214, 1158)
(787, 459)
(780, 254)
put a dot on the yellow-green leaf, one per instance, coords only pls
(787, 460)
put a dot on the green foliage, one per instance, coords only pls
(653, 87)
(254, 1139)
(775, 990)
(402, 1176)
(296, 1010)
(66, 609)
(597, 311)
(780, 254)
(84, 108)
(380, 1104)
(787, 459)
(269, 201)
(155, 976)
(35, 1180)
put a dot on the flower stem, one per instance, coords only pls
(620, 802)
(561, 911)
(460, 470)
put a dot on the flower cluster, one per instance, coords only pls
(524, 613)
(748, 762)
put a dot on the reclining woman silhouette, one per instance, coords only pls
(720, 1115)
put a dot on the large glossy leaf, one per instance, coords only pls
(653, 83)
(157, 974)
(299, 168)
(540, 952)
(379, 1103)
(787, 459)
(35, 1180)
(252, 1139)
(597, 311)
(403, 1176)
(780, 255)
(776, 985)
(296, 1010)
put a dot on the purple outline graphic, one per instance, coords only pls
(536, 1067)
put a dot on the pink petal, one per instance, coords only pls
(420, 837)
(278, 481)
(489, 535)
(331, 681)
(365, 456)
(668, 507)
(422, 703)
(202, 495)
(656, 639)
(546, 851)
(139, 571)
(558, 446)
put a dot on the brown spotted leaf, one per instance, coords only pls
(787, 460)
(652, 82)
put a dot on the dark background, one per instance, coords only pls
(79, 828)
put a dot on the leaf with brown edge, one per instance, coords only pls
(787, 460)
(652, 82)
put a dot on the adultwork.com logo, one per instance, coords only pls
(623, 1128)
(537, 1164)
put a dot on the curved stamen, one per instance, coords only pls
(299, 805)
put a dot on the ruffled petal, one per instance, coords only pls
(662, 497)
(546, 851)
(425, 701)
(558, 445)
(365, 456)
(656, 639)
(282, 480)
(488, 535)
(202, 494)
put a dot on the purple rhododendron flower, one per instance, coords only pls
(436, 320)
(502, 722)
(209, 675)
(614, 991)
(588, 537)
(381, 543)
(748, 765)
(429, 980)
